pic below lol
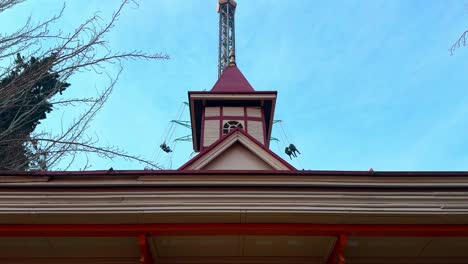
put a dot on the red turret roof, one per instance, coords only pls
(232, 80)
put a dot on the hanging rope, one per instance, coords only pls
(298, 159)
(167, 144)
(173, 142)
(284, 141)
(158, 149)
(279, 150)
(172, 155)
(173, 125)
(284, 132)
(289, 148)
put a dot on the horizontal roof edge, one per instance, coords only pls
(241, 172)
(253, 92)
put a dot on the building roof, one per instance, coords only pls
(443, 177)
(232, 80)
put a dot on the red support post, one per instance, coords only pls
(337, 254)
(145, 251)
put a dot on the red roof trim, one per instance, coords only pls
(219, 141)
(229, 229)
(238, 92)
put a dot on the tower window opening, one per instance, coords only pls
(231, 125)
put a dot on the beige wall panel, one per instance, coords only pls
(255, 129)
(233, 111)
(212, 111)
(211, 132)
(254, 111)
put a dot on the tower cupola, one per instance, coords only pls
(231, 123)
(232, 103)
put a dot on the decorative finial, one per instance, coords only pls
(232, 58)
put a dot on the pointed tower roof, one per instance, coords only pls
(232, 81)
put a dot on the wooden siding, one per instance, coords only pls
(255, 129)
(212, 111)
(254, 111)
(233, 111)
(211, 132)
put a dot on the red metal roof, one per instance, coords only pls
(232, 80)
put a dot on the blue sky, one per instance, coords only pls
(362, 83)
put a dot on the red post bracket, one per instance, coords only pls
(145, 251)
(337, 254)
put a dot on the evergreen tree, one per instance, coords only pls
(28, 84)
(25, 110)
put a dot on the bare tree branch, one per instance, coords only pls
(5, 4)
(61, 55)
(460, 42)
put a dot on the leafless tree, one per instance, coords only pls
(84, 49)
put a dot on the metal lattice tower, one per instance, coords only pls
(227, 47)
